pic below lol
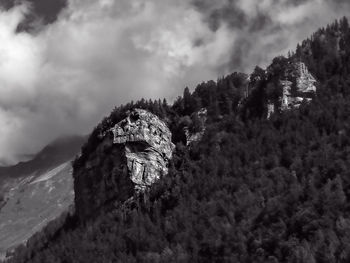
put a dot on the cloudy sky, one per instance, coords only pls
(64, 64)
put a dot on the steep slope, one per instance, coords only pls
(37, 191)
(33, 202)
(57, 152)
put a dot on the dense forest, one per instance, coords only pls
(252, 190)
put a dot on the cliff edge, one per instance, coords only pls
(132, 155)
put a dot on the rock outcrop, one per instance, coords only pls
(298, 85)
(270, 109)
(201, 117)
(148, 146)
(304, 87)
(131, 156)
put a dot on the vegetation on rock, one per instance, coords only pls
(252, 190)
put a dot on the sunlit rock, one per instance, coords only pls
(128, 158)
(148, 146)
(201, 117)
(304, 88)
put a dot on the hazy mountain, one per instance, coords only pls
(57, 152)
(37, 191)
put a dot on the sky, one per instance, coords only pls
(65, 64)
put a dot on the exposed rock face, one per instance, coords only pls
(270, 109)
(304, 87)
(298, 86)
(131, 157)
(305, 81)
(148, 146)
(197, 136)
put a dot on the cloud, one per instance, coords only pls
(64, 77)
(41, 12)
(267, 28)
(98, 54)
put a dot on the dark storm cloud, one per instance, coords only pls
(94, 54)
(215, 14)
(41, 12)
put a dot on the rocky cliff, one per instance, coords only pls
(304, 86)
(132, 155)
(298, 85)
(201, 117)
(148, 146)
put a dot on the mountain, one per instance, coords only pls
(255, 186)
(37, 191)
(55, 153)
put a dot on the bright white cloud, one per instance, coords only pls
(101, 53)
(97, 55)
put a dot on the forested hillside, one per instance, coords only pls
(252, 190)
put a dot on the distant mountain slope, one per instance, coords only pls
(37, 191)
(33, 202)
(57, 152)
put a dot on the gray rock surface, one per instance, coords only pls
(305, 86)
(197, 136)
(298, 85)
(129, 158)
(148, 146)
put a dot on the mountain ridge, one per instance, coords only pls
(251, 190)
(59, 150)
(23, 210)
